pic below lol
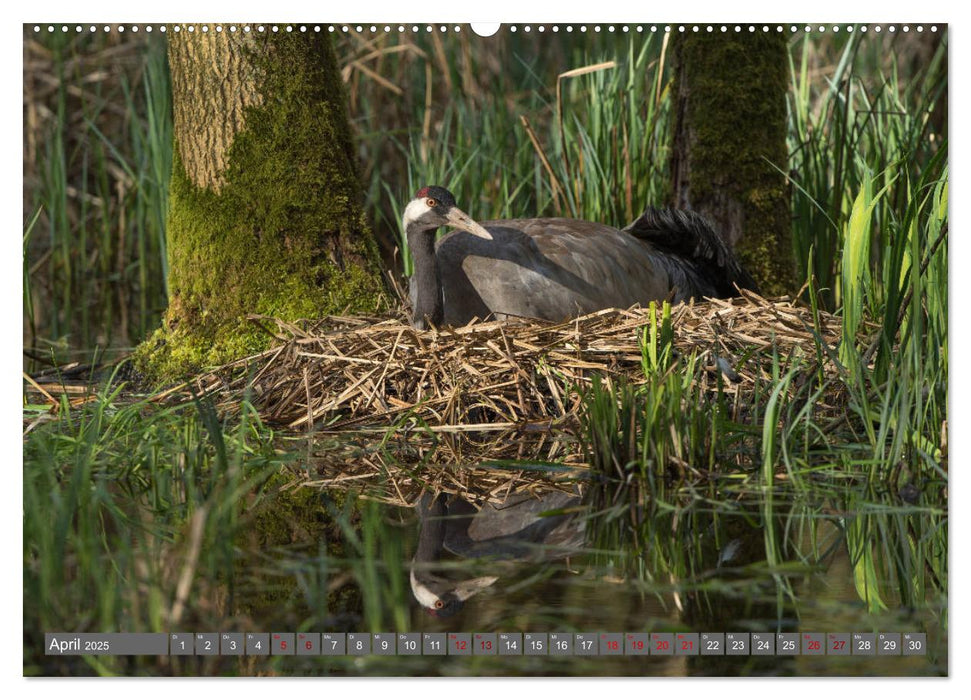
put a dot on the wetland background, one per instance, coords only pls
(818, 503)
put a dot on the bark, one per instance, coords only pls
(730, 145)
(265, 204)
(213, 82)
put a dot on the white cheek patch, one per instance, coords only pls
(422, 594)
(416, 208)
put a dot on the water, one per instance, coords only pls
(315, 542)
(686, 566)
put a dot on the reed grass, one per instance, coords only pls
(129, 501)
(98, 131)
(130, 515)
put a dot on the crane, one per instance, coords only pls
(556, 268)
(523, 528)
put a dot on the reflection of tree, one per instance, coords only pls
(713, 559)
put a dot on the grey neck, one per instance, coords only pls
(426, 283)
(431, 537)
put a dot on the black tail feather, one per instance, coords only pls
(709, 262)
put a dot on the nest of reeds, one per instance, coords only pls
(491, 392)
(353, 373)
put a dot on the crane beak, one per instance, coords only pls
(467, 589)
(459, 219)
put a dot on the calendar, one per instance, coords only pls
(630, 644)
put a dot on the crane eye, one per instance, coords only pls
(439, 604)
(431, 203)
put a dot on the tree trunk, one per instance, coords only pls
(265, 212)
(730, 138)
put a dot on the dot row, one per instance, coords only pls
(512, 28)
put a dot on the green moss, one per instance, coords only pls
(284, 236)
(293, 515)
(738, 140)
(285, 517)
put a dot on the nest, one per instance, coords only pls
(356, 373)
(484, 410)
(488, 392)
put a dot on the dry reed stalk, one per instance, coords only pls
(377, 372)
(488, 407)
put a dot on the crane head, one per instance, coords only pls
(443, 598)
(434, 206)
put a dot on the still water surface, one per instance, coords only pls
(689, 566)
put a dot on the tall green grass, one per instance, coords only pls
(130, 515)
(117, 493)
(99, 190)
(860, 128)
(143, 517)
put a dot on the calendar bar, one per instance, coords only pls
(627, 644)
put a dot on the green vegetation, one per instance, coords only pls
(128, 503)
(96, 175)
(283, 235)
(146, 516)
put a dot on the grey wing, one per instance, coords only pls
(619, 270)
(546, 268)
(518, 513)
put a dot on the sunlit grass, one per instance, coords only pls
(96, 262)
(130, 512)
(117, 492)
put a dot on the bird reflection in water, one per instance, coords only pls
(523, 528)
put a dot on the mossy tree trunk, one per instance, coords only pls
(265, 211)
(730, 138)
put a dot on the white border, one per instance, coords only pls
(437, 12)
